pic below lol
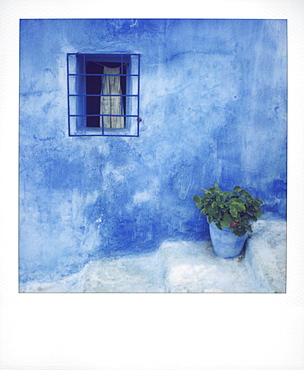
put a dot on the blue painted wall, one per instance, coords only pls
(213, 103)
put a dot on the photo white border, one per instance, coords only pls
(149, 331)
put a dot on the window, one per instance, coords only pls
(103, 94)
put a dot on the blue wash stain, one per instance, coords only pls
(214, 109)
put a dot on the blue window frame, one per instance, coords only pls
(103, 94)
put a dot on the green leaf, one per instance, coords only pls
(239, 232)
(227, 218)
(218, 225)
(237, 188)
(198, 201)
(249, 228)
(237, 201)
(226, 195)
(236, 205)
(233, 211)
(225, 223)
(208, 208)
(210, 219)
(243, 193)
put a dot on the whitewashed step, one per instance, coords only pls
(266, 255)
(192, 267)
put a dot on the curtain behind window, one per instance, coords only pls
(112, 104)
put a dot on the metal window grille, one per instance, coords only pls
(84, 82)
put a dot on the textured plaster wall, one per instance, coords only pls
(213, 103)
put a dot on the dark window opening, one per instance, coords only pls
(94, 87)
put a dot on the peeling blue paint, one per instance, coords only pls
(213, 102)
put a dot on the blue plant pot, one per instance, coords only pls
(225, 244)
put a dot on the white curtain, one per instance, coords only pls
(111, 104)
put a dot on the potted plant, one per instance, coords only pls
(230, 215)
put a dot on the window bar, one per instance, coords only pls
(138, 85)
(121, 98)
(105, 115)
(85, 88)
(68, 82)
(117, 135)
(102, 74)
(102, 93)
(133, 95)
